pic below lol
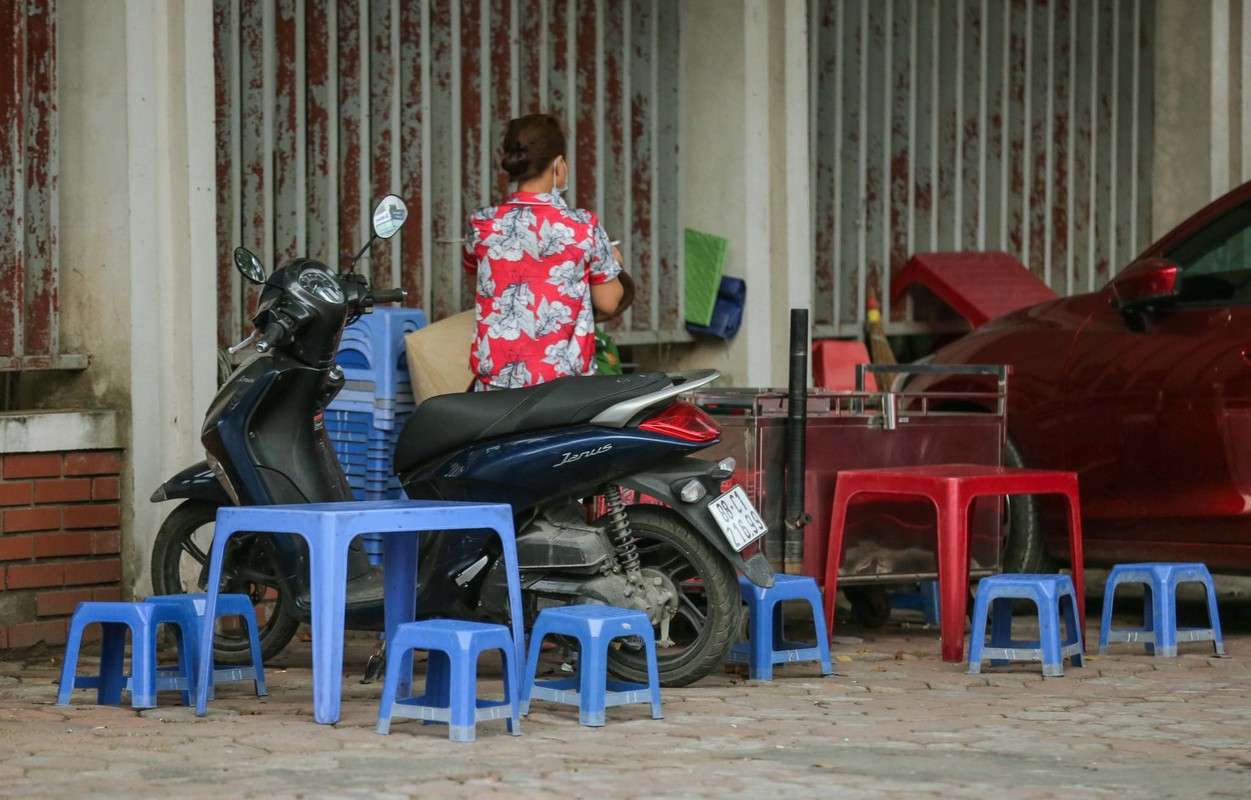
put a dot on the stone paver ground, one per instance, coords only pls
(895, 722)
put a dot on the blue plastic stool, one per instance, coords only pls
(372, 349)
(452, 677)
(591, 690)
(925, 599)
(765, 645)
(228, 605)
(1159, 632)
(1051, 594)
(145, 680)
(329, 529)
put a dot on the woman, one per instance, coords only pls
(543, 268)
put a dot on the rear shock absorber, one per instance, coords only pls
(619, 529)
(652, 597)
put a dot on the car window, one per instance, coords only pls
(1216, 261)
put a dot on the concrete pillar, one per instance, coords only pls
(790, 176)
(745, 168)
(173, 314)
(1202, 110)
(137, 235)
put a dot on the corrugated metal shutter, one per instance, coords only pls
(29, 171)
(324, 106)
(940, 125)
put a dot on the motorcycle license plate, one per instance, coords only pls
(737, 518)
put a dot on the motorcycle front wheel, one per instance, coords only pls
(709, 602)
(180, 565)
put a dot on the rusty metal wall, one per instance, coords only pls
(29, 257)
(939, 125)
(323, 106)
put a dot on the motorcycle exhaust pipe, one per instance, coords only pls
(795, 517)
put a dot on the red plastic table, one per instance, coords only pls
(952, 488)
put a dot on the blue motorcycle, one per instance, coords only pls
(550, 451)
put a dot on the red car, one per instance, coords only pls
(1144, 390)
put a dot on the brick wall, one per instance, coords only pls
(60, 540)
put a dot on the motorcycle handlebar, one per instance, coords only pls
(271, 336)
(389, 296)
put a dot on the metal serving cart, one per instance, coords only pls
(886, 541)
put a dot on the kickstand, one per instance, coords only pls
(377, 663)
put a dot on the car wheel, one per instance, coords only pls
(1024, 550)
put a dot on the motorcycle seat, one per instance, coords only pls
(445, 422)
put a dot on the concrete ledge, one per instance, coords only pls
(54, 431)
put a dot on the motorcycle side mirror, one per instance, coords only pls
(249, 265)
(389, 216)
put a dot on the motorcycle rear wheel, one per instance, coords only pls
(708, 607)
(180, 566)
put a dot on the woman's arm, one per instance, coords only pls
(605, 297)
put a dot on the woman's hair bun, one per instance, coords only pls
(530, 145)
(516, 163)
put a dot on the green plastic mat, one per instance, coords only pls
(705, 257)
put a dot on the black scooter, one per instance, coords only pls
(544, 450)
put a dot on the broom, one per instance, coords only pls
(875, 338)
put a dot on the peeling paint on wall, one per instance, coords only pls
(1015, 125)
(29, 174)
(370, 96)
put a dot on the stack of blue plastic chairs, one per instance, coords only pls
(365, 418)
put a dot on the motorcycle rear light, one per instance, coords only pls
(692, 492)
(683, 421)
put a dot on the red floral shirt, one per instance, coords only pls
(536, 260)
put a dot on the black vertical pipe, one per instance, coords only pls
(796, 433)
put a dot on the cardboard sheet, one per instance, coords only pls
(438, 356)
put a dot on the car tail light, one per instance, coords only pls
(684, 421)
